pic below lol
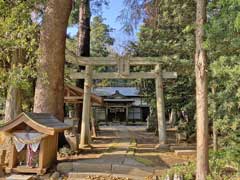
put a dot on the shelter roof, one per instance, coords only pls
(74, 94)
(41, 122)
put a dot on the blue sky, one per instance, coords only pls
(110, 15)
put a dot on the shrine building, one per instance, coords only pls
(121, 104)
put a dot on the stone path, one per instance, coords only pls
(123, 157)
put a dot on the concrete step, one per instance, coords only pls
(83, 176)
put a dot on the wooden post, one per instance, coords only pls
(160, 106)
(85, 130)
(13, 157)
(106, 117)
(127, 115)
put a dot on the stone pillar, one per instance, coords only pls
(85, 130)
(160, 106)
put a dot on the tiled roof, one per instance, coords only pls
(108, 91)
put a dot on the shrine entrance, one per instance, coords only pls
(117, 114)
(124, 71)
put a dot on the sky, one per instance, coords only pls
(110, 15)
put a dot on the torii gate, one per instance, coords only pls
(123, 66)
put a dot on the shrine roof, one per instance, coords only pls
(125, 91)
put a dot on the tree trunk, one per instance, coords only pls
(49, 93)
(14, 95)
(215, 138)
(84, 28)
(201, 93)
(214, 129)
(83, 45)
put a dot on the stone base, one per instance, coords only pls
(85, 147)
(164, 147)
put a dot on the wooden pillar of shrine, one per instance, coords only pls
(160, 105)
(127, 115)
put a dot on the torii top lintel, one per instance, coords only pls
(98, 61)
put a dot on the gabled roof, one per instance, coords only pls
(41, 122)
(118, 97)
(76, 94)
(125, 91)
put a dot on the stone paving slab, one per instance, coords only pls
(65, 167)
(87, 167)
(133, 162)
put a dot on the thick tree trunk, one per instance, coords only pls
(13, 103)
(49, 93)
(83, 45)
(14, 95)
(84, 28)
(201, 93)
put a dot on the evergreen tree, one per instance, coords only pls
(18, 45)
(101, 40)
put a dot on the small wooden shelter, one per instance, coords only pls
(34, 142)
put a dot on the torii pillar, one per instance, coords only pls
(160, 106)
(86, 110)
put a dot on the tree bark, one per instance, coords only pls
(83, 45)
(84, 28)
(201, 93)
(14, 95)
(49, 93)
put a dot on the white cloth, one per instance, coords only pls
(21, 139)
(19, 146)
